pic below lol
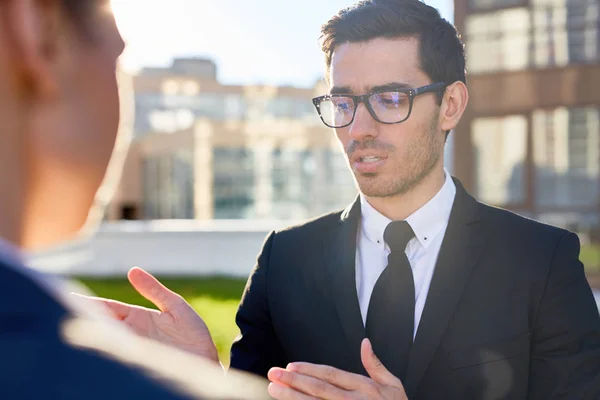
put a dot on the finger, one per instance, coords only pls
(376, 370)
(120, 310)
(154, 291)
(281, 392)
(341, 379)
(307, 384)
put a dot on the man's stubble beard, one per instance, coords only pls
(422, 157)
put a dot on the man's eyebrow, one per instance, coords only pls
(390, 86)
(340, 90)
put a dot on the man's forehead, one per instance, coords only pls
(378, 62)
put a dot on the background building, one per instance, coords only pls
(530, 140)
(203, 150)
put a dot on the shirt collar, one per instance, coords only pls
(427, 222)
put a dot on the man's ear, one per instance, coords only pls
(453, 107)
(34, 30)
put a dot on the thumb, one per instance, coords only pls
(375, 368)
(154, 291)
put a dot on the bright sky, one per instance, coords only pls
(252, 41)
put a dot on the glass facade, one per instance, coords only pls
(340, 188)
(233, 183)
(296, 184)
(498, 40)
(484, 5)
(289, 178)
(171, 112)
(168, 186)
(566, 157)
(565, 153)
(307, 183)
(545, 34)
(500, 150)
(543, 161)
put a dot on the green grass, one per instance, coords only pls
(215, 299)
(590, 257)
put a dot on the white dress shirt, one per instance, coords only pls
(429, 224)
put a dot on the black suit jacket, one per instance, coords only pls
(509, 314)
(46, 352)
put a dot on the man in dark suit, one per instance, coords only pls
(59, 112)
(459, 300)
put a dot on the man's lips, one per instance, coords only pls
(368, 163)
(368, 157)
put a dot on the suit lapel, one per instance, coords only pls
(340, 251)
(458, 256)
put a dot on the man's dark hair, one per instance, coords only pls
(441, 51)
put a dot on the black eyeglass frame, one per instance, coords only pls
(364, 98)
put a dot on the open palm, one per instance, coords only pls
(175, 322)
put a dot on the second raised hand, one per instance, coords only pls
(305, 381)
(175, 323)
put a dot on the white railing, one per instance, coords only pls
(173, 248)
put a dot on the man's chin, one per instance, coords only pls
(56, 235)
(375, 191)
(375, 187)
(86, 220)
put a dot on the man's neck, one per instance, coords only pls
(401, 206)
(9, 232)
(13, 173)
(11, 206)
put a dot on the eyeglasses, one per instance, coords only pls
(387, 107)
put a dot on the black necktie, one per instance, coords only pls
(391, 313)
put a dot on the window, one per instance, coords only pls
(168, 186)
(169, 121)
(549, 33)
(291, 186)
(235, 107)
(280, 107)
(170, 87)
(210, 105)
(498, 40)
(178, 100)
(566, 156)
(500, 147)
(145, 105)
(310, 182)
(191, 88)
(305, 110)
(483, 5)
(582, 19)
(184, 118)
(549, 40)
(342, 190)
(234, 182)
(566, 32)
(150, 187)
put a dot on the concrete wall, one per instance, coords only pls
(165, 248)
(173, 248)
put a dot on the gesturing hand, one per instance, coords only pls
(176, 324)
(303, 381)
